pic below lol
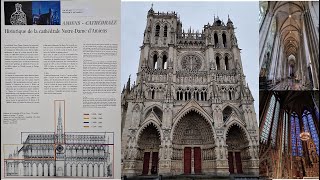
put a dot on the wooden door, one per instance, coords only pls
(230, 162)
(197, 160)
(238, 163)
(155, 161)
(187, 160)
(146, 159)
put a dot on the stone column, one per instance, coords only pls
(274, 55)
(263, 34)
(280, 63)
(192, 160)
(307, 55)
(222, 167)
(313, 45)
(165, 159)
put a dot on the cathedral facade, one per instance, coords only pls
(190, 110)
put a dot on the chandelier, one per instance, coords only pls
(305, 136)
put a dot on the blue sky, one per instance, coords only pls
(245, 17)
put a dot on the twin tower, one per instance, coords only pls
(189, 110)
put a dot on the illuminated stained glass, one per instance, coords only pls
(293, 136)
(286, 135)
(275, 125)
(283, 130)
(317, 113)
(313, 132)
(266, 128)
(299, 143)
(305, 121)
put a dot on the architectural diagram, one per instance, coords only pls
(61, 153)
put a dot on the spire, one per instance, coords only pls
(128, 83)
(59, 126)
(124, 88)
(229, 20)
(151, 9)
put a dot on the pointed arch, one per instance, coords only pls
(235, 109)
(241, 126)
(193, 125)
(192, 106)
(157, 30)
(224, 39)
(145, 125)
(157, 107)
(216, 41)
(165, 31)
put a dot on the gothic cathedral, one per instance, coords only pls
(190, 110)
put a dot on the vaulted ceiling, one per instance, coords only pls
(289, 18)
(294, 101)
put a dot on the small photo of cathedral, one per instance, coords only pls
(46, 12)
(289, 135)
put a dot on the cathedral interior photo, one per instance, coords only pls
(289, 45)
(289, 134)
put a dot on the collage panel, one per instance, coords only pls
(289, 89)
(187, 109)
(289, 134)
(289, 45)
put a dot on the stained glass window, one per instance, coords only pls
(293, 136)
(299, 143)
(275, 125)
(286, 135)
(313, 131)
(283, 130)
(317, 113)
(266, 127)
(305, 121)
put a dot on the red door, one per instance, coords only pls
(197, 160)
(146, 160)
(187, 160)
(230, 162)
(238, 163)
(154, 167)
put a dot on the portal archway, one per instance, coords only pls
(149, 144)
(238, 149)
(193, 144)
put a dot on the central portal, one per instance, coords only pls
(189, 154)
(193, 145)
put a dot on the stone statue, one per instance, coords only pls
(234, 40)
